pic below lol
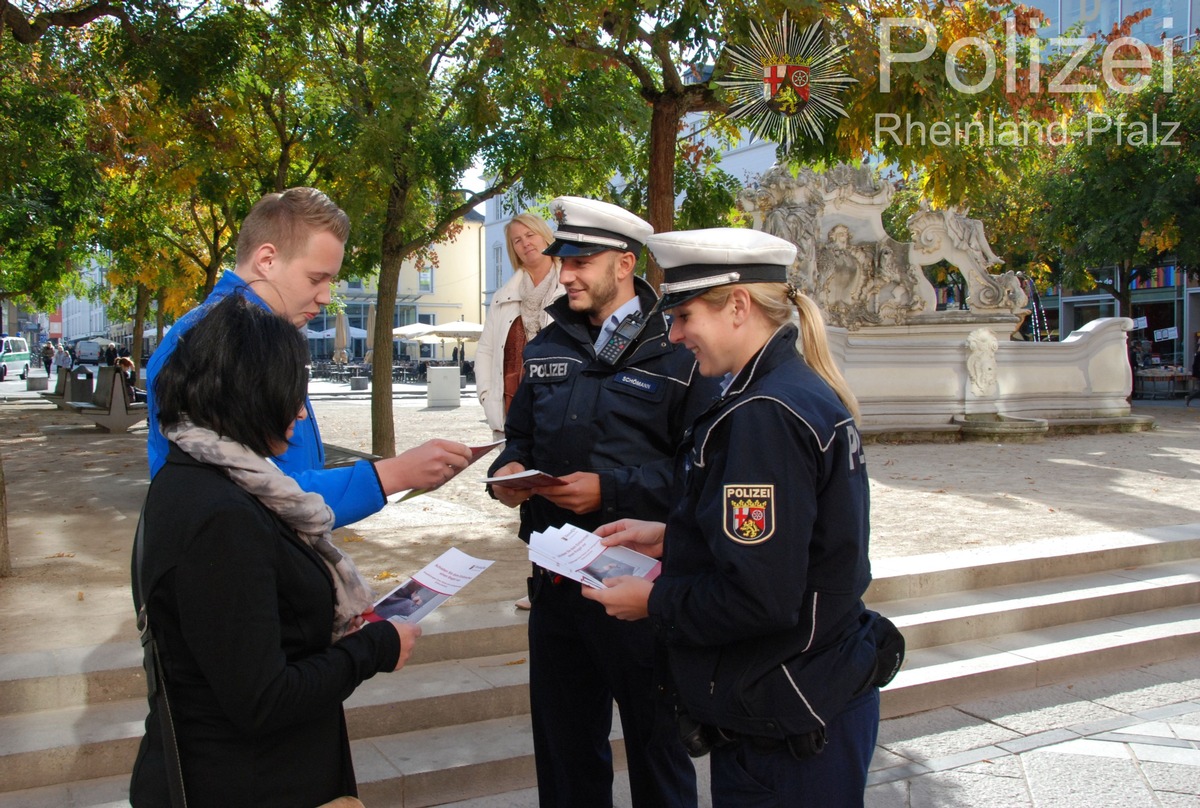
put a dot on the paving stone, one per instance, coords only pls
(1169, 800)
(887, 795)
(1163, 753)
(1056, 778)
(1185, 671)
(1133, 691)
(1151, 740)
(965, 758)
(883, 759)
(1036, 710)
(958, 788)
(1038, 740)
(1184, 780)
(1153, 729)
(939, 734)
(1007, 766)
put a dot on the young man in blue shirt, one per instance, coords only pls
(289, 252)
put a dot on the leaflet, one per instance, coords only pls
(575, 553)
(476, 453)
(429, 588)
(530, 478)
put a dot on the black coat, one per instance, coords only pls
(573, 413)
(243, 613)
(765, 564)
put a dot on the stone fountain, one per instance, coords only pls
(914, 368)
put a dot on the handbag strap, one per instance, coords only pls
(156, 684)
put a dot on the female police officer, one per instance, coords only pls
(759, 603)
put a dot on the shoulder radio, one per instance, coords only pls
(619, 341)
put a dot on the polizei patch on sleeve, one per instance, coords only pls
(749, 513)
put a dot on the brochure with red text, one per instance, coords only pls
(575, 553)
(429, 588)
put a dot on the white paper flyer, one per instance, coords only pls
(579, 555)
(429, 588)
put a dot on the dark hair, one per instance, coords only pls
(241, 372)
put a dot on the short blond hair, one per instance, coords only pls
(776, 301)
(288, 220)
(535, 223)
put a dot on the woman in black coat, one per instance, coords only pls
(255, 612)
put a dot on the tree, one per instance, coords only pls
(429, 88)
(669, 50)
(1120, 196)
(48, 169)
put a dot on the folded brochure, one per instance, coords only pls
(476, 453)
(429, 588)
(575, 553)
(530, 478)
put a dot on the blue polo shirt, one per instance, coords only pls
(353, 492)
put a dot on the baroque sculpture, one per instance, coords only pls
(854, 271)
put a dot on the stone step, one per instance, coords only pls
(951, 674)
(956, 617)
(67, 677)
(454, 724)
(405, 770)
(97, 740)
(981, 568)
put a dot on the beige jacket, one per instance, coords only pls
(489, 353)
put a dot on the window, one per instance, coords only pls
(428, 319)
(498, 255)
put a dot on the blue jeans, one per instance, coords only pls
(746, 776)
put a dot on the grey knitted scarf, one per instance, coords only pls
(304, 512)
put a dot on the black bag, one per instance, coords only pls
(889, 650)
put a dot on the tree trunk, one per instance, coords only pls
(660, 182)
(383, 429)
(160, 316)
(139, 322)
(5, 558)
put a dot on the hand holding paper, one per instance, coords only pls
(476, 453)
(574, 553)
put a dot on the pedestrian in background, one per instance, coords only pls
(517, 313)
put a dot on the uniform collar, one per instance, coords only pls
(779, 348)
(576, 323)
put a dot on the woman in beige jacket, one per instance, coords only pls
(515, 316)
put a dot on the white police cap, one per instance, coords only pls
(694, 261)
(587, 227)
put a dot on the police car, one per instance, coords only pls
(14, 356)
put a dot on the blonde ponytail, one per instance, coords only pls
(815, 347)
(772, 299)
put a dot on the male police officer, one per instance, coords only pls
(602, 406)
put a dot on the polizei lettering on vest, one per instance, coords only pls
(747, 491)
(548, 370)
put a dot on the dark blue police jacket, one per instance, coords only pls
(573, 412)
(760, 599)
